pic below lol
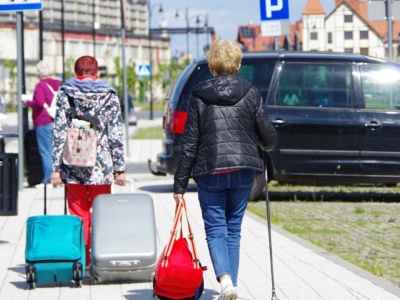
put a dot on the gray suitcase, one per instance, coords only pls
(124, 246)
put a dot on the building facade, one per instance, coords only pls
(91, 27)
(345, 29)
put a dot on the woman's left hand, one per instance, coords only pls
(120, 178)
(55, 178)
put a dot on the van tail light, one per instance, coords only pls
(176, 122)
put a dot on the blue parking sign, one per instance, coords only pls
(274, 10)
(20, 5)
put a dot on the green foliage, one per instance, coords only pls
(363, 233)
(359, 210)
(69, 68)
(150, 133)
(136, 86)
(168, 73)
(12, 65)
(131, 77)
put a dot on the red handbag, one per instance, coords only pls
(179, 274)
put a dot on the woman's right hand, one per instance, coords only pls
(178, 198)
(55, 178)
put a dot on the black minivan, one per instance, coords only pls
(337, 116)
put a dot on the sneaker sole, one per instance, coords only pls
(230, 295)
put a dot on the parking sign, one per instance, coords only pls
(272, 10)
(20, 5)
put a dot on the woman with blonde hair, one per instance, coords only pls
(227, 122)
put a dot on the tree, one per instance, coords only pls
(12, 65)
(131, 77)
(168, 73)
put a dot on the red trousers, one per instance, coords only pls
(80, 201)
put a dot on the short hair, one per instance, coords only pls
(86, 65)
(42, 68)
(224, 57)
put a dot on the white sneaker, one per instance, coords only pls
(41, 186)
(229, 293)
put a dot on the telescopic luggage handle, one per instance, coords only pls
(131, 183)
(45, 198)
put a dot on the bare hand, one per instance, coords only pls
(120, 178)
(178, 198)
(55, 178)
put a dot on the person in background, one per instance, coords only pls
(91, 96)
(226, 125)
(41, 119)
(122, 103)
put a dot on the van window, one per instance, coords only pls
(314, 85)
(259, 72)
(381, 87)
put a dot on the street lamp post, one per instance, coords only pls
(63, 39)
(150, 8)
(94, 26)
(187, 30)
(197, 29)
(124, 82)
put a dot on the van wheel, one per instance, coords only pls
(258, 187)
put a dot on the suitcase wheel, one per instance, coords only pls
(77, 270)
(30, 271)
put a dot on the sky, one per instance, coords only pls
(225, 16)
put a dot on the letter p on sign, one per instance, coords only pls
(274, 10)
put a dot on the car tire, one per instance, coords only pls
(258, 187)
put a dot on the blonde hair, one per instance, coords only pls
(224, 57)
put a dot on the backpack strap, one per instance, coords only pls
(50, 88)
(91, 119)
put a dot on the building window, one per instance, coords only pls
(348, 18)
(348, 35)
(348, 50)
(364, 35)
(314, 36)
(364, 51)
(329, 37)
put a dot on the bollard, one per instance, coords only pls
(8, 181)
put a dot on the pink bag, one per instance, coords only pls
(80, 148)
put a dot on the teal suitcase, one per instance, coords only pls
(55, 248)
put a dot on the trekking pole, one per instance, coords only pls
(274, 297)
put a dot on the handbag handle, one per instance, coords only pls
(178, 220)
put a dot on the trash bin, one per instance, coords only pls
(8, 181)
(33, 161)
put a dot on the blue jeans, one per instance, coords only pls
(223, 201)
(44, 136)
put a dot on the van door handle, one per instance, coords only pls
(278, 122)
(373, 124)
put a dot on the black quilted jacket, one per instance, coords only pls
(226, 124)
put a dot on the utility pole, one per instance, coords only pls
(124, 83)
(389, 17)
